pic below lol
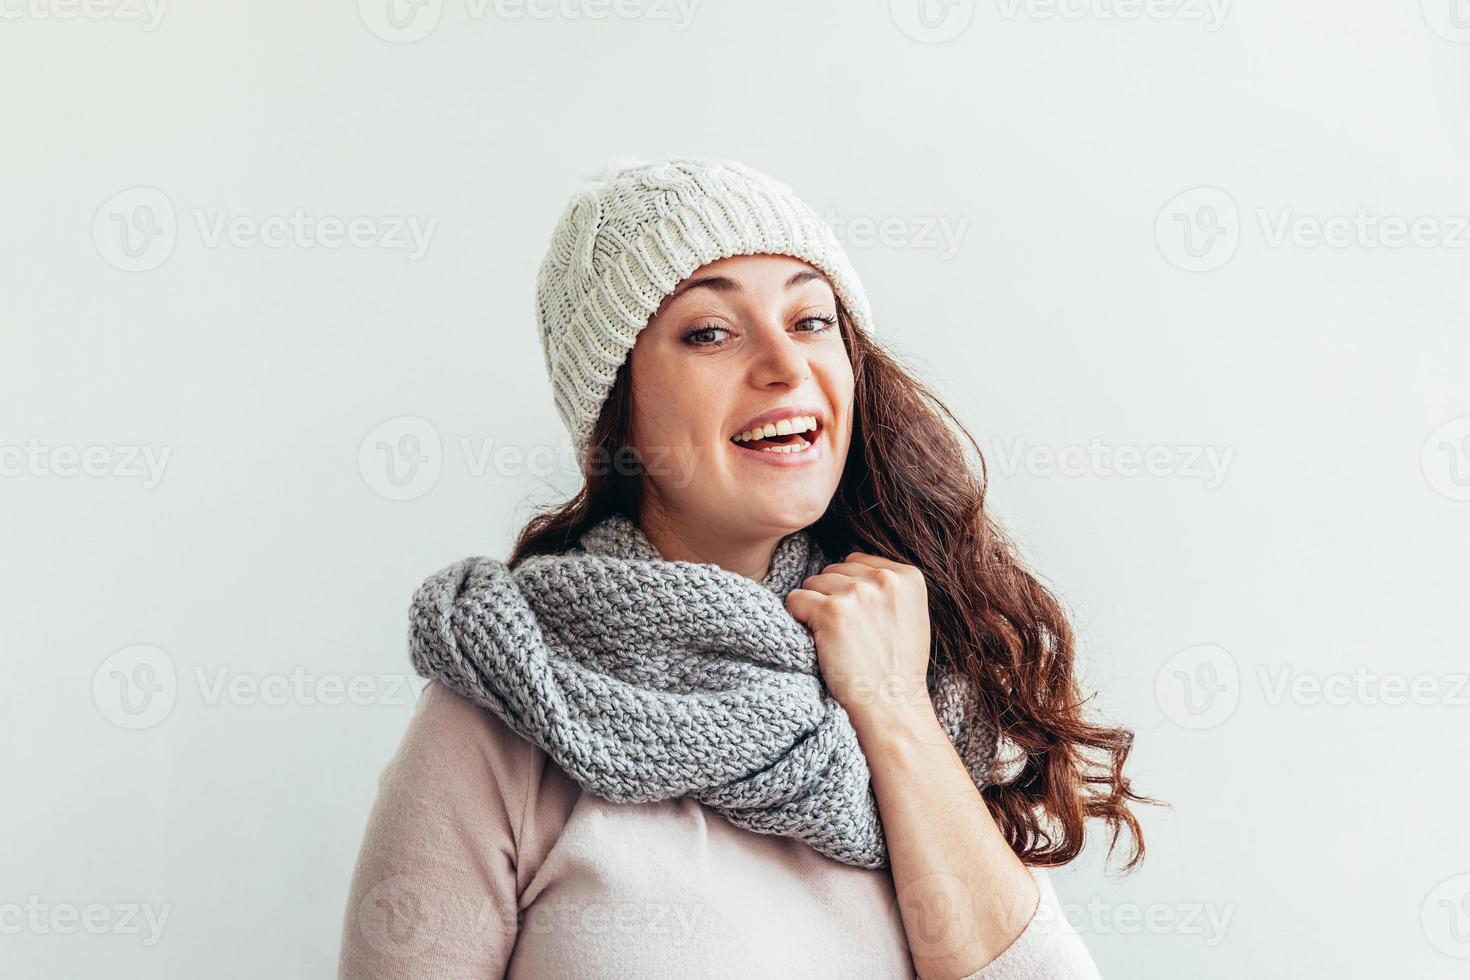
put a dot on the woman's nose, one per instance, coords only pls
(778, 358)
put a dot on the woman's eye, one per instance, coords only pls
(702, 336)
(821, 323)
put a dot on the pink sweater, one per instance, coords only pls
(482, 858)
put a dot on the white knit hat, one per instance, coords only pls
(631, 234)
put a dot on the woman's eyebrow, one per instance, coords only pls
(724, 284)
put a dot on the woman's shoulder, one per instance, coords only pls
(445, 721)
(442, 713)
(455, 745)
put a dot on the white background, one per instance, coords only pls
(1131, 192)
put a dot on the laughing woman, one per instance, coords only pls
(772, 695)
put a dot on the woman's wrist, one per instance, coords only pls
(884, 729)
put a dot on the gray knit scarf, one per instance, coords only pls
(647, 679)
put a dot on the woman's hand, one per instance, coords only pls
(870, 619)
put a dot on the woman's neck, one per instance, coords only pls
(676, 541)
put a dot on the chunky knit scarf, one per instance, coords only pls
(647, 679)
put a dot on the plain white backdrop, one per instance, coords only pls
(1192, 272)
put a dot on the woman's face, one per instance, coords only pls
(741, 341)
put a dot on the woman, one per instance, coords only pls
(771, 695)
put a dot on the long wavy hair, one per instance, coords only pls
(910, 492)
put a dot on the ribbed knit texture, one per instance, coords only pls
(647, 679)
(631, 234)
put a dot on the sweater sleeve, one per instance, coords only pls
(1047, 949)
(435, 891)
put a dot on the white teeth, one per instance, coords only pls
(799, 447)
(785, 427)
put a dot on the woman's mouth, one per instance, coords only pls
(785, 439)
